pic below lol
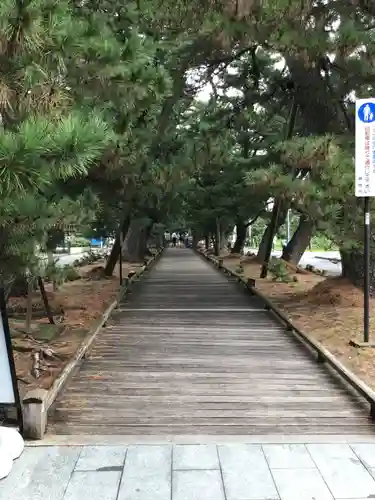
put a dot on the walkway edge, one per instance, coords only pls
(323, 355)
(36, 403)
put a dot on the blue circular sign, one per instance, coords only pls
(366, 112)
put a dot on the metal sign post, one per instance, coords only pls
(9, 394)
(365, 188)
(366, 267)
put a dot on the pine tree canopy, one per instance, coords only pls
(197, 111)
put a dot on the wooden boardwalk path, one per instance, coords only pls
(189, 353)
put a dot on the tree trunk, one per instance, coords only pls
(217, 238)
(300, 240)
(135, 242)
(159, 240)
(50, 259)
(223, 241)
(196, 239)
(29, 306)
(316, 104)
(47, 306)
(148, 230)
(156, 237)
(216, 247)
(241, 232)
(51, 262)
(19, 287)
(115, 252)
(261, 255)
(207, 242)
(352, 263)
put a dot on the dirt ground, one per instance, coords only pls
(76, 306)
(329, 310)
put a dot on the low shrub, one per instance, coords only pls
(279, 270)
(239, 269)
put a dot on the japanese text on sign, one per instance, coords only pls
(365, 148)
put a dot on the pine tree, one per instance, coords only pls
(44, 139)
(327, 48)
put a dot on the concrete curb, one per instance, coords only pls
(346, 376)
(36, 403)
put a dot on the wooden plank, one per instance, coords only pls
(198, 367)
(187, 406)
(176, 412)
(210, 430)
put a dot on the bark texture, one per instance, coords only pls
(135, 244)
(196, 238)
(207, 242)
(352, 263)
(217, 238)
(115, 252)
(261, 255)
(300, 240)
(241, 232)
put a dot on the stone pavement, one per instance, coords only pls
(230, 471)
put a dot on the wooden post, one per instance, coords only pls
(45, 301)
(251, 283)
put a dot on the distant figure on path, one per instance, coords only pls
(174, 239)
(182, 239)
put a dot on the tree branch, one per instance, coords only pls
(252, 221)
(229, 59)
(261, 212)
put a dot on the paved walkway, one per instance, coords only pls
(194, 472)
(191, 353)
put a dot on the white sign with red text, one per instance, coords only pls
(365, 147)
